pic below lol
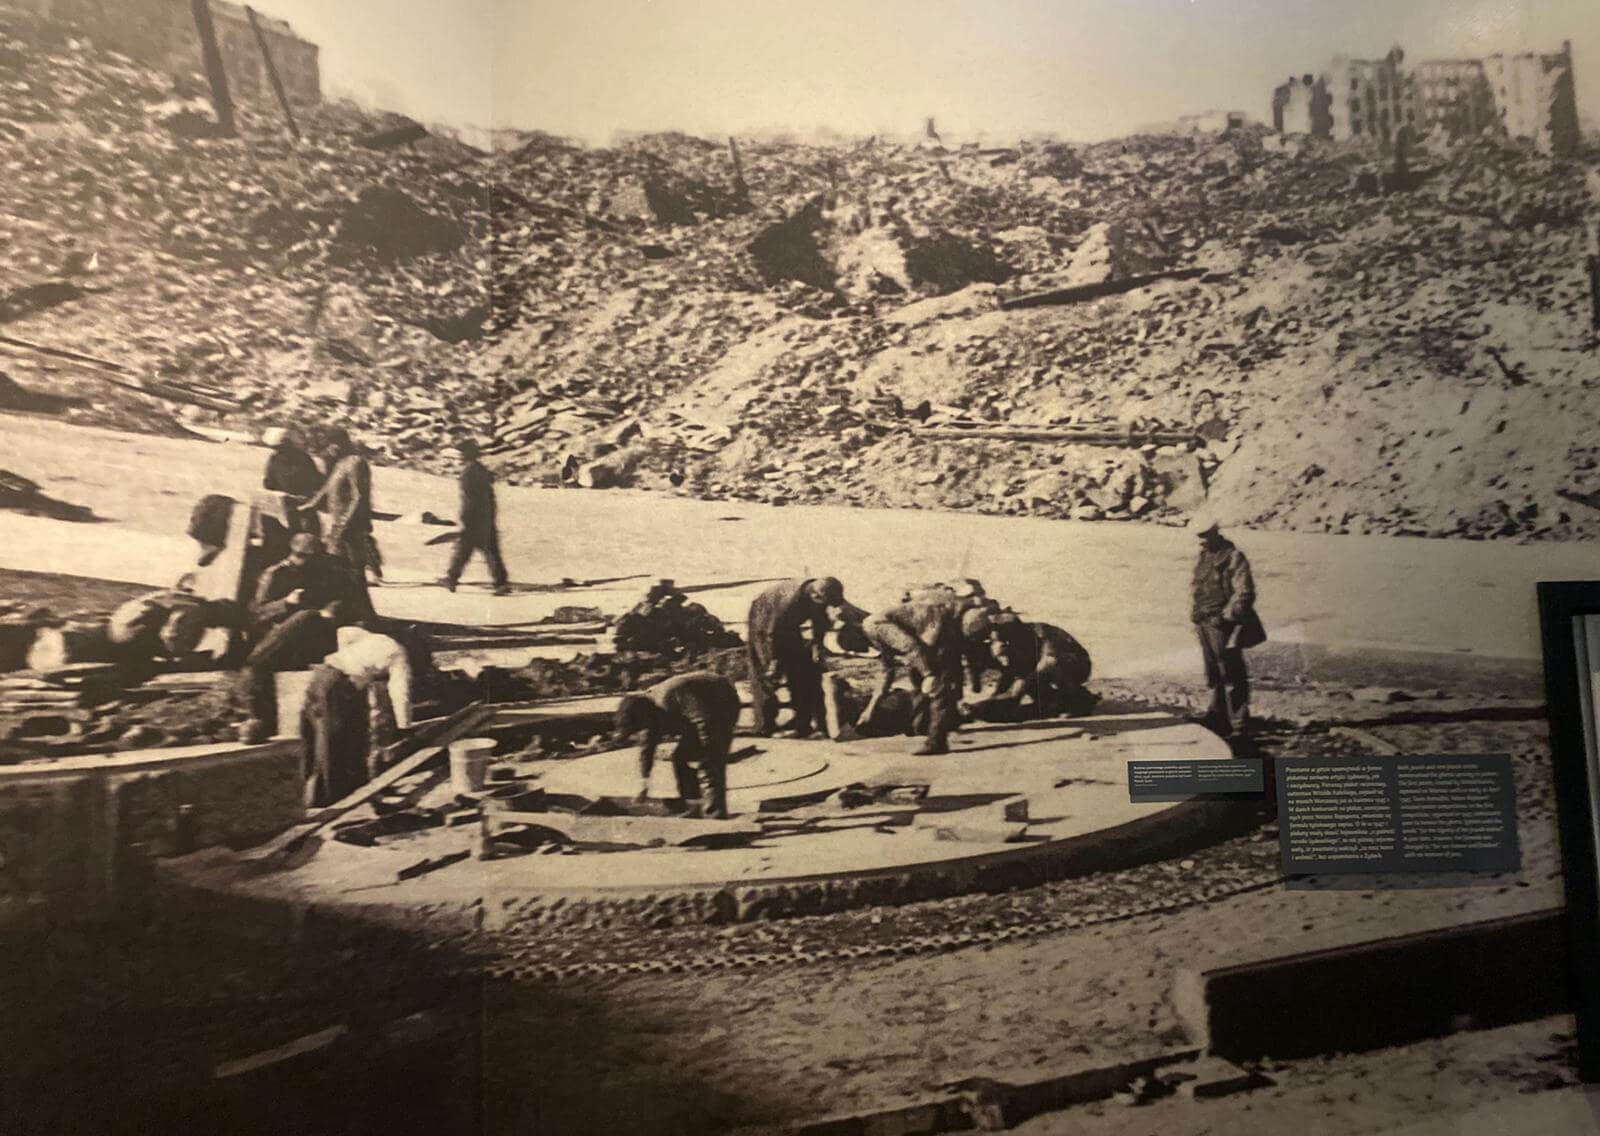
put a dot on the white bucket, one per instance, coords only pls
(469, 764)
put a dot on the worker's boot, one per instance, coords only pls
(447, 583)
(502, 589)
(932, 747)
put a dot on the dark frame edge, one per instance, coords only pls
(1559, 602)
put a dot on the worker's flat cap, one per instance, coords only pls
(829, 590)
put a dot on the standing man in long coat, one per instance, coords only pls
(479, 531)
(1223, 598)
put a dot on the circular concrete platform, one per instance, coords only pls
(806, 853)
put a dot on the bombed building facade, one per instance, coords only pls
(162, 33)
(1528, 95)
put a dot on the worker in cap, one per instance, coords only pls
(926, 639)
(785, 642)
(1223, 596)
(291, 471)
(1042, 672)
(300, 602)
(700, 710)
(479, 529)
(346, 496)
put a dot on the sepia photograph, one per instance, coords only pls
(734, 567)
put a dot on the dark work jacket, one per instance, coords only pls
(477, 499)
(1223, 588)
(290, 470)
(699, 705)
(1027, 646)
(777, 622)
(324, 579)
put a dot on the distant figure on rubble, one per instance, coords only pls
(479, 531)
(781, 655)
(926, 638)
(291, 471)
(347, 498)
(700, 710)
(355, 700)
(668, 624)
(1038, 662)
(300, 603)
(1225, 620)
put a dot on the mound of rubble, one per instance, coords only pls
(1306, 334)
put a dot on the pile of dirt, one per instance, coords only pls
(1327, 343)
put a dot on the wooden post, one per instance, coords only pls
(739, 185)
(215, 71)
(272, 72)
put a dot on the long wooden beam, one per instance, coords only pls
(272, 72)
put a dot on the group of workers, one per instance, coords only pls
(942, 636)
(946, 638)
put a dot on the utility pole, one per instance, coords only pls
(215, 71)
(272, 72)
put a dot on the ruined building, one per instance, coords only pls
(162, 33)
(1528, 95)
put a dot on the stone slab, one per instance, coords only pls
(1371, 994)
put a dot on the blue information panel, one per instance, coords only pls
(1227, 779)
(1433, 813)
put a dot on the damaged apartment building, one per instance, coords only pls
(1529, 95)
(162, 33)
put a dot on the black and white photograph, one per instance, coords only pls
(866, 567)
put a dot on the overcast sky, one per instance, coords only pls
(1083, 69)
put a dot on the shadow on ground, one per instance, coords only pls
(186, 1017)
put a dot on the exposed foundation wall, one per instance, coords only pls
(71, 830)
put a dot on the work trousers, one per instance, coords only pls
(700, 758)
(946, 696)
(786, 664)
(304, 638)
(486, 542)
(334, 734)
(1227, 677)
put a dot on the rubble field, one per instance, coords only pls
(1108, 331)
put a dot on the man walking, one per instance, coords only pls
(479, 532)
(1225, 620)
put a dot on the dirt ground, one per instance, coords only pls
(187, 986)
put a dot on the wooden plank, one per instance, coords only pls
(272, 72)
(1059, 436)
(215, 71)
(644, 830)
(311, 1043)
(1083, 292)
(434, 735)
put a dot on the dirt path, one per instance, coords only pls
(1120, 588)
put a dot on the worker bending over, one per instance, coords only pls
(700, 710)
(786, 629)
(926, 638)
(1037, 661)
(300, 603)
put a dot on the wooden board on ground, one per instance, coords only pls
(636, 830)
(434, 735)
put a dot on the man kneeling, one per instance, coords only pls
(700, 710)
